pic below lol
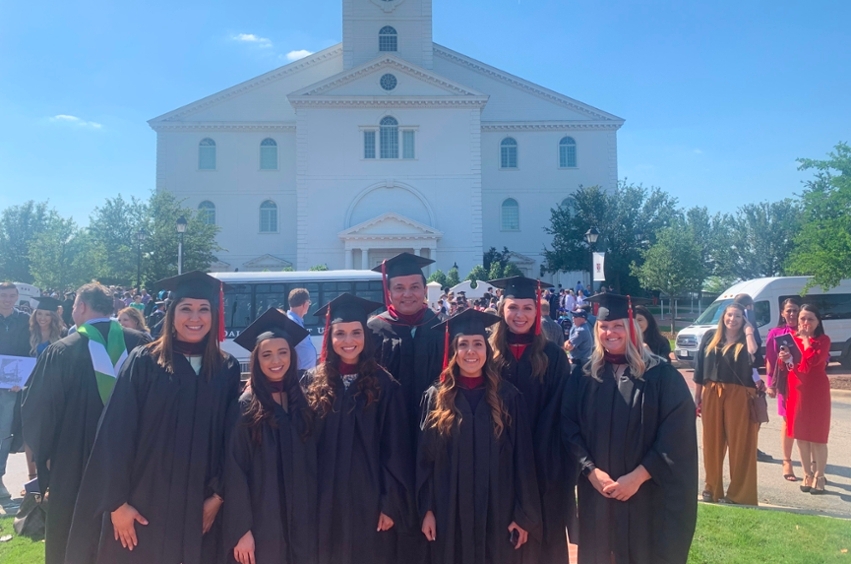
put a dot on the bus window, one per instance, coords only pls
(267, 296)
(238, 307)
(831, 306)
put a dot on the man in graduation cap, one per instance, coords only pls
(408, 350)
(63, 401)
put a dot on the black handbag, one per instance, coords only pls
(757, 404)
(31, 517)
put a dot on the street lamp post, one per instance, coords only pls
(591, 237)
(181, 229)
(140, 238)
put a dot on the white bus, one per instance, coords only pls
(768, 294)
(252, 293)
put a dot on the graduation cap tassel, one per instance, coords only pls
(538, 309)
(384, 284)
(325, 335)
(632, 337)
(445, 352)
(222, 335)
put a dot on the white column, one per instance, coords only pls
(418, 251)
(364, 259)
(350, 259)
(432, 254)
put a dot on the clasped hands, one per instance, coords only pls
(621, 489)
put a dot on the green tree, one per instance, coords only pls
(113, 228)
(492, 255)
(452, 277)
(318, 268)
(19, 226)
(510, 270)
(478, 273)
(495, 271)
(763, 238)
(439, 277)
(823, 244)
(61, 256)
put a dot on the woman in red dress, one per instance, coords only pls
(808, 400)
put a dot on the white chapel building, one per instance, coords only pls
(384, 143)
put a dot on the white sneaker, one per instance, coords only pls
(4, 493)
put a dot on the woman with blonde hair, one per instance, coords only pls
(724, 386)
(629, 419)
(132, 318)
(46, 326)
(477, 488)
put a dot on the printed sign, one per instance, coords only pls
(15, 370)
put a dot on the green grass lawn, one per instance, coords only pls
(728, 535)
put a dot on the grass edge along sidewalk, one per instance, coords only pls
(729, 535)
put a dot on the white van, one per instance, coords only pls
(26, 292)
(768, 294)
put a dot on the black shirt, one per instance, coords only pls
(15, 334)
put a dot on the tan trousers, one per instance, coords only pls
(727, 423)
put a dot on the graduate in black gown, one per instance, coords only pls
(540, 369)
(365, 468)
(629, 419)
(63, 402)
(411, 352)
(476, 479)
(270, 472)
(153, 486)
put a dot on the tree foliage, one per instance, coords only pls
(477, 274)
(823, 244)
(763, 238)
(61, 255)
(452, 278)
(673, 264)
(19, 227)
(438, 276)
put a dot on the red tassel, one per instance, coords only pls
(632, 337)
(222, 333)
(384, 283)
(538, 309)
(325, 336)
(445, 352)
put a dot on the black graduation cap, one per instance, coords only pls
(47, 303)
(519, 287)
(613, 306)
(403, 264)
(346, 308)
(271, 324)
(468, 322)
(195, 284)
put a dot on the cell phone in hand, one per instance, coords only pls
(514, 537)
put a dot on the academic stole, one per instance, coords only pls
(107, 357)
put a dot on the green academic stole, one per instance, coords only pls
(107, 357)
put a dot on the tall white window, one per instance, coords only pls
(387, 39)
(510, 215)
(567, 153)
(369, 144)
(407, 144)
(268, 154)
(268, 217)
(207, 154)
(207, 212)
(389, 138)
(508, 153)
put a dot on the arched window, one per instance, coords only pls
(268, 154)
(567, 153)
(508, 153)
(389, 138)
(510, 215)
(207, 212)
(268, 217)
(387, 39)
(207, 154)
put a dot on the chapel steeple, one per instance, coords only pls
(374, 27)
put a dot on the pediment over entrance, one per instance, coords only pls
(390, 228)
(266, 263)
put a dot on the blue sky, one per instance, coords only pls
(719, 97)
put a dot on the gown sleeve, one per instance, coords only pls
(215, 485)
(238, 518)
(527, 497)
(396, 462)
(570, 429)
(425, 459)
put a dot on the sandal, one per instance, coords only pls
(816, 490)
(807, 485)
(789, 475)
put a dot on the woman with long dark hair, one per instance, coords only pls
(777, 375)
(629, 420)
(724, 386)
(154, 481)
(477, 488)
(364, 455)
(808, 403)
(270, 473)
(653, 338)
(46, 326)
(539, 369)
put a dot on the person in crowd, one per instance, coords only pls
(570, 301)
(808, 400)
(270, 472)
(477, 491)
(629, 420)
(580, 298)
(579, 287)
(146, 297)
(776, 374)
(137, 303)
(153, 486)
(580, 342)
(154, 321)
(71, 383)
(131, 318)
(46, 325)
(552, 330)
(552, 310)
(14, 341)
(299, 303)
(652, 337)
(67, 307)
(411, 353)
(723, 387)
(539, 369)
(364, 456)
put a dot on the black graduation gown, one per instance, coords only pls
(615, 426)
(364, 470)
(161, 448)
(557, 470)
(476, 484)
(271, 487)
(60, 412)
